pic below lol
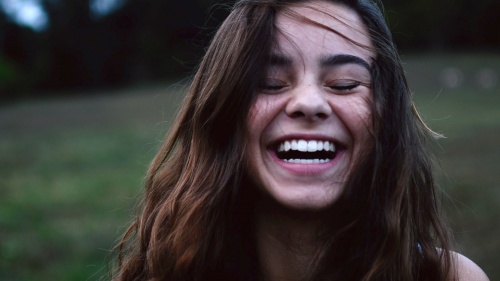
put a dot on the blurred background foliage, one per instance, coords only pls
(106, 43)
(88, 89)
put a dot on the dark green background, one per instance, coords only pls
(151, 40)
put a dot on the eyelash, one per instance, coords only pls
(272, 86)
(345, 86)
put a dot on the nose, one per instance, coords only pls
(309, 103)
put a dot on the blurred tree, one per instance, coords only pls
(79, 46)
(445, 24)
(18, 58)
(140, 40)
(169, 35)
(156, 39)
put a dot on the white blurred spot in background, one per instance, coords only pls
(451, 77)
(26, 12)
(486, 78)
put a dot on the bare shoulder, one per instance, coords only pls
(467, 270)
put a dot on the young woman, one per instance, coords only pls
(297, 155)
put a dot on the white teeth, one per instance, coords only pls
(302, 145)
(319, 146)
(306, 146)
(312, 146)
(306, 161)
(287, 145)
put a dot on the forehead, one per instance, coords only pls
(323, 26)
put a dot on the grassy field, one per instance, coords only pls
(71, 168)
(468, 115)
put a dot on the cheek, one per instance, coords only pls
(358, 116)
(253, 117)
(256, 123)
(362, 126)
(261, 114)
(255, 126)
(261, 117)
(364, 119)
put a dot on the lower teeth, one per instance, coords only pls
(306, 161)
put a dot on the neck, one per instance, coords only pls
(286, 241)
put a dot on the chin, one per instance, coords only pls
(307, 201)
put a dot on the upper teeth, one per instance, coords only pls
(306, 146)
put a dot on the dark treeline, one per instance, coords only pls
(151, 40)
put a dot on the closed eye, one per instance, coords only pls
(271, 86)
(345, 85)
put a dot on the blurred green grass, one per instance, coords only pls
(71, 168)
(469, 118)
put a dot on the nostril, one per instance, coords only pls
(298, 114)
(322, 115)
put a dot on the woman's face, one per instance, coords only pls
(311, 120)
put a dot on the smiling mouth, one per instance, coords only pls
(306, 151)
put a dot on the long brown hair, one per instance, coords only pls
(195, 221)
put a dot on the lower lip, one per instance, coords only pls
(308, 169)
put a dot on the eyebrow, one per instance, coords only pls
(280, 60)
(327, 61)
(343, 59)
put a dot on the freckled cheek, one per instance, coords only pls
(361, 130)
(261, 114)
(360, 116)
(365, 137)
(254, 120)
(365, 119)
(258, 119)
(366, 133)
(256, 124)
